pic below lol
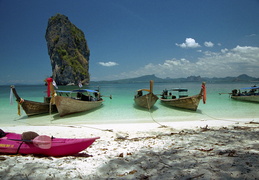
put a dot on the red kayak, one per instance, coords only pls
(12, 143)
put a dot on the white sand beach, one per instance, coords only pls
(211, 149)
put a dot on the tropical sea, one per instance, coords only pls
(121, 108)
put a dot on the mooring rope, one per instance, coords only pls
(82, 126)
(220, 118)
(149, 110)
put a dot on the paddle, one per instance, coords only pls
(43, 141)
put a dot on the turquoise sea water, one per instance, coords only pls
(121, 108)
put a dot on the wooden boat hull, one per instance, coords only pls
(146, 101)
(59, 146)
(35, 108)
(251, 98)
(67, 105)
(191, 102)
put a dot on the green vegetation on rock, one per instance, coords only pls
(72, 61)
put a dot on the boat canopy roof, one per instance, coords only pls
(179, 89)
(250, 88)
(77, 90)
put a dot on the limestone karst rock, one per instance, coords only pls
(68, 51)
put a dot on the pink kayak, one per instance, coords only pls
(12, 143)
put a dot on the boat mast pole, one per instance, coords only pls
(151, 85)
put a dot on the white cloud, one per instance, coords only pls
(251, 35)
(208, 44)
(224, 50)
(108, 64)
(189, 43)
(227, 62)
(245, 49)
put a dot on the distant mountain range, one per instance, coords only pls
(147, 78)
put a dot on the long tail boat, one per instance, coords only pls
(183, 100)
(12, 143)
(246, 94)
(77, 101)
(146, 100)
(32, 107)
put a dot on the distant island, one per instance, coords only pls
(147, 78)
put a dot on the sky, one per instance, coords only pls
(132, 38)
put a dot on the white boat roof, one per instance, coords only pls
(178, 89)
